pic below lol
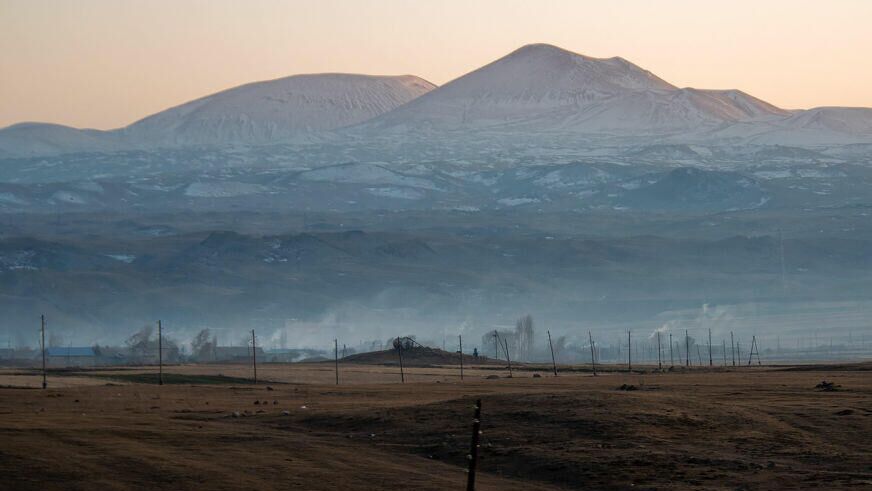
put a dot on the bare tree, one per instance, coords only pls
(203, 346)
(524, 337)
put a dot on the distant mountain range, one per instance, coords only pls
(536, 90)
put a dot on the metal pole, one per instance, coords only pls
(629, 352)
(592, 356)
(254, 355)
(473, 449)
(42, 343)
(159, 353)
(336, 358)
(553, 362)
(671, 358)
(460, 341)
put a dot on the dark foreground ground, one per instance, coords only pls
(749, 428)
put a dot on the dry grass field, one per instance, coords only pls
(208, 427)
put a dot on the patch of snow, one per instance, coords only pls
(226, 189)
(516, 201)
(399, 193)
(124, 258)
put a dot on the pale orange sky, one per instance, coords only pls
(104, 64)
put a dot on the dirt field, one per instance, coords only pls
(749, 428)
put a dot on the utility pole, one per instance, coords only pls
(686, 349)
(42, 343)
(592, 356)
(509, 360)
(254, 356)
(553, 362)
(473, 451)
(629, 351)
(671, 358)
(659, 360)
(710, 347)
(460, 342)
(336, 358)
(725, 351)
(733, 348)
(159, 353)
(400, 353)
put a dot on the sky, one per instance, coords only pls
(106, 63)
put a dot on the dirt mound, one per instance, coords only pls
(417, 356)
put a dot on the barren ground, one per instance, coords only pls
(747, 428)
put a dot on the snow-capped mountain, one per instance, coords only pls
(541, 87)
(538, 100)
(277, 110)
(257, 113)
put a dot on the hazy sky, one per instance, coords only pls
(103, 64)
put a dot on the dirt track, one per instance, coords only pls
(746, 429)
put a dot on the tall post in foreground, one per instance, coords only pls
(733, 348)
(629, 352)
(254, 356)
(710, 348)
(553, 361)
(473, 448)
(460, 342)
(659, 360)
(508, 360)
(159, 353)
(592, 356)
(686, 349)
(336, 358)
(42, 344)
(400, 353)
(671, 358)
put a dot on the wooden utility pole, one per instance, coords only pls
(629, 352)
(553, 361)
(659, 360)
(460, 342)
(42, 343)
(159, 353)
(400, 353)
(710, 347)
(686, 349)
(754, 349)
(254, 355)
(508, 360)
(473, 448)
(336, 358)
(733, 348)
(592, 355)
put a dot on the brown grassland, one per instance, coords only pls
(738, 428)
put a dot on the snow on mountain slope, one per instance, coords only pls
(276, 110)
(817, 126)
(26, 139)
(543, 87)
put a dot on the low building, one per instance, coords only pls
(70, 356)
